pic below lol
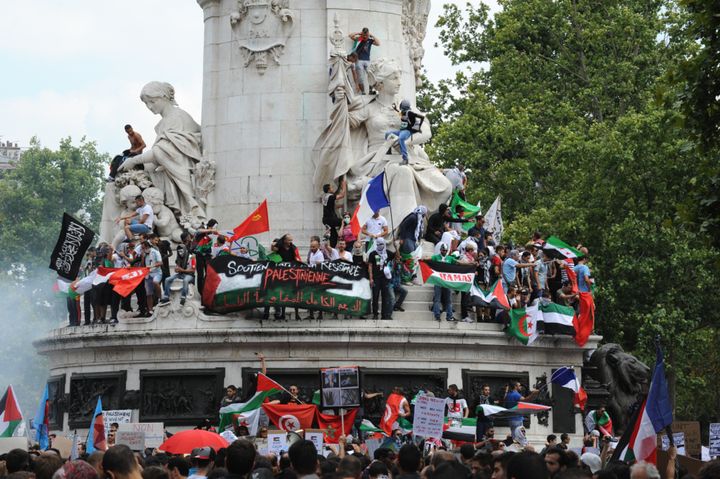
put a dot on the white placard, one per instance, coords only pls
(135, 440)
(678, 439)
(316, 438)
(261, 444)
(429, 416)
(120, 416)
(154, 431)
(229, 436)
(277, 442)
(715, 439)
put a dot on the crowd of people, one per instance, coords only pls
(345, 460)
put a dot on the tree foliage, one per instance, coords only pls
(45, 184)
(581, 118)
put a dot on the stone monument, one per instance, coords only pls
(278, 121)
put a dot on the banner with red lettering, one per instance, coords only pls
(234, 284)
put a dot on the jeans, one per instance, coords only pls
(73, 307)
(399, 293)
(465, 305)
(186, 279)
(138, 228)
(402, 136)
(362, 66)
(385, 290)
(442, 296)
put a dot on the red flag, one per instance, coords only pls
(572, 277)
(355, 226)
(500, 295)
(332, 425)
(291, 417)
(392, 412)
(580, 399)
(98, 432)
(124, 280)
(257, 222)
(584, 321)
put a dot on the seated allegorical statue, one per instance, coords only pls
(177, 150)
(354, 145)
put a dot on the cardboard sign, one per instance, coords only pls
(261, 444)
(715, 439)
(277, 441)
(7, 444)
(154, 431)
(316, 437)
(64, 445)
(678, 440)
(428, 419)
(135, 440)
(120, 416)
(691, 429)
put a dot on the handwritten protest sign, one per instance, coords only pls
(429, 416)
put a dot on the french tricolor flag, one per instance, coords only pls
(565, 377)
(373, 199)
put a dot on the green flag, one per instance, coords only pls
(470, 209)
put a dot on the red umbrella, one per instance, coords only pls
(185, 441)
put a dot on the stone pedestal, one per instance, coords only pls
(259, 126)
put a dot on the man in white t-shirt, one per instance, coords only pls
(342, 252)
(376, 226)
(144, 221)
(315, 256)
(457, 407)
(153, 260)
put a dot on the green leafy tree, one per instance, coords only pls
(573, 119)
(45, 184)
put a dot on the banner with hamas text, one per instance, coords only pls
(235, 284)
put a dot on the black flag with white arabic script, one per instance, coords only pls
(74, 240)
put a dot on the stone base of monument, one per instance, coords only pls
(172, 367)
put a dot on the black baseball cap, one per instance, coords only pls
(202, 453)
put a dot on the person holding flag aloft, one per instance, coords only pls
(397, 406)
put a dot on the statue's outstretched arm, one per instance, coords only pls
(145, 157)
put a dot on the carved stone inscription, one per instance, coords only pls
(180, 397)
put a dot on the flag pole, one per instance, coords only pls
(342, 421)
(392, 222)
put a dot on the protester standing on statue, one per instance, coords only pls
(330, 218)
(399, 292)
(364, 43)
(202, 247)
(378, 269)
(137, 145)
(375, 227)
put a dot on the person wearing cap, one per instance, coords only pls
(443, 295)
(202, 459)
(410, 123)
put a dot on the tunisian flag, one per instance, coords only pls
(392, 412)
(291, 417)
(256, 223)
(332, 425)
(584, 321)
(123, 280)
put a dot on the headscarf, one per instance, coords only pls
(381, 249)
(76, 470)
(420, 212)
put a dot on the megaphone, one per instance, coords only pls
(295, 436)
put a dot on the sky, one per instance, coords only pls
(76, 68)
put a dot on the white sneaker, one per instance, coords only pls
(467, 319)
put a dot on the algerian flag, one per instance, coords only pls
(459, 277)
(523, 324)
(368, 426)
(244, 414)
(11, 420)
(470, 209)
(557, 319)
(556, 248)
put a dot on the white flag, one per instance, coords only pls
(493, 221)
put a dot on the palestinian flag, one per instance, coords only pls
(332, 425)
(291, 417)
(521, 409)
(556, 319)
(459, 277)
(243, 414)
(524, 323)
(584, 321)
(471, 210)
(267, 385)
(494, 297)
(367, 426)
(11, 420)
(555, 248)
(464, 432)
